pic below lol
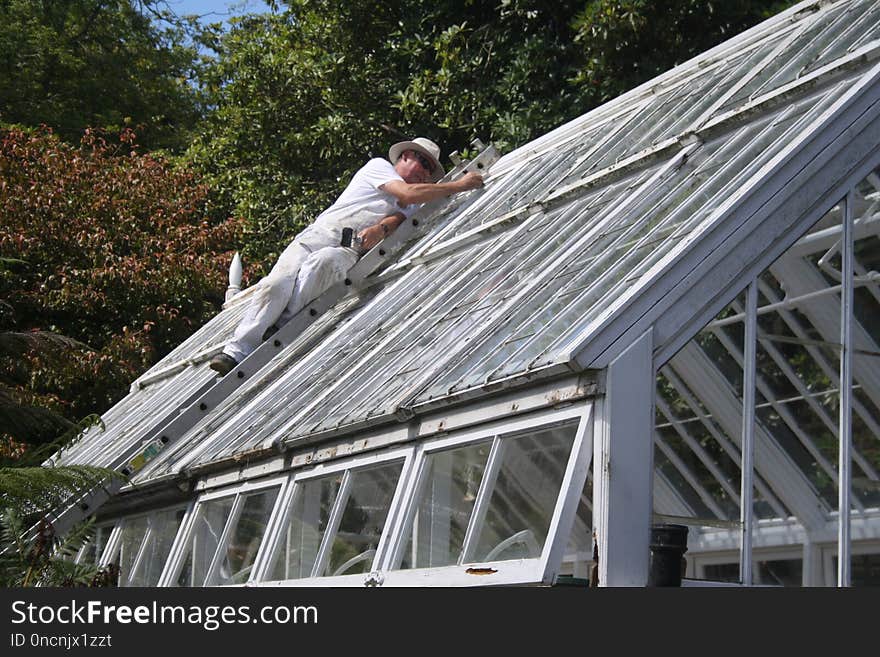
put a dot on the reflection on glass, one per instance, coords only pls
(450, 485)
(245, 538)
(524, 495)
(146, 570)
(363, 518)
(130, 543)
(91, 551)
(765, 572)
(309, 513)
(203, 540)
(864, 569)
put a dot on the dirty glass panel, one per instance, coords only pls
(698, 430)
(721, 572)
(133, 534)
(310, 509)
(858, 27)
(443, 507)
(864, 569)
(91, 552)
(549, 259)
(205, 535)
(245, 538)
(578, 558)
(779, 572)
(866, 334)
(523, 496)
(813, 32)
(766, 571)
(163, 528)
(363, 519)
(330, 367)
(622, 266)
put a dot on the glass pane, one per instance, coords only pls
(203, 540)
(524, 495)
(363, 519)
(91, 551)
(866, 343)
(245, 538)
(779, 572)
(130, 543)
(450, 485)
(577, 561)
(310, 510)
(865, 569)
(163, 526)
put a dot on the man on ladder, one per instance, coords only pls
(380, 196)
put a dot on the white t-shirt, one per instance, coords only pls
(361, 205)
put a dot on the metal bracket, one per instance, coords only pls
(374, 579)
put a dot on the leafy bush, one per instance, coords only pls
(115, 249)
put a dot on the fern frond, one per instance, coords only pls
(34, 489)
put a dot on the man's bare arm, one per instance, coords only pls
(371, 236)
(410, 193)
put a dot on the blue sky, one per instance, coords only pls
(216, 10)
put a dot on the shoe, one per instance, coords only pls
(272, 330)
(222, 363)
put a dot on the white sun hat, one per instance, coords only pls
(421, 145)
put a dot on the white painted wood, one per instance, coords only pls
(572, 487)
(811, 573)
(481, 504)
(702, 274)
(746, 510)
(106, 556)
(844, 487)
(332, 525)
(623, 470)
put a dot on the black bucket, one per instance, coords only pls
(668, 545)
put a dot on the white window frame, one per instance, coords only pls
(111, 548)
(262, 565)
(111, 526)
(542, 569)
(237, 492)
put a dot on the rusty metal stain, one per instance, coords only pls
(481, 571)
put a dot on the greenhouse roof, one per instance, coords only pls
(648, 212)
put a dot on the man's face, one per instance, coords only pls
(414, 167)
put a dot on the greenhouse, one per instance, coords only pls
(665, 312)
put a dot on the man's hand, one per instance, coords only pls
(470, 180)
(371, 236)
(411, 193)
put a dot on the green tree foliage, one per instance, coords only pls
(98, 63)
(31, 553)
(302, 96)
(118, 250)
(626, 42)
(48, 559)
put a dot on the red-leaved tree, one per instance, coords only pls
(116, 249)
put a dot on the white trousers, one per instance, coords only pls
(302, 273)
